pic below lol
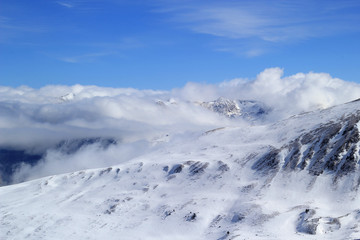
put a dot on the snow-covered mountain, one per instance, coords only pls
(246, 109)
(296, 178)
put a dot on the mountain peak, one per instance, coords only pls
(245, 109)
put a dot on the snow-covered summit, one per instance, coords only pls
(223, 106)
(246, 109)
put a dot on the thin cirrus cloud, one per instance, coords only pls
(272, 21)
(89, 57)
(11, 30)
(267, 22)
(65, 4)
(103, 49)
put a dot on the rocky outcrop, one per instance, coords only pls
(246, 109)
(332, 148)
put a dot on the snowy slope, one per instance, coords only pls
(284, 180)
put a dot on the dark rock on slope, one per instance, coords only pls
(330, 148)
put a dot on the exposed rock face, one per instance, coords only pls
(253, 110)
(268, 163)
(246, 109)
(223, 106)
(73, 145)
(177, 168)
(308, 223)
(332, 148)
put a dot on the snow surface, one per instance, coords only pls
(190, 185)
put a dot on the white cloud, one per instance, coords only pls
(36, 119)
(286, 95)
(92, 156)
(91, 107)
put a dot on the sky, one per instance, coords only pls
(165, 44)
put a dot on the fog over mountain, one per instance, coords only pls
(36, 120)
(222, 161)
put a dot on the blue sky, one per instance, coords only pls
(164, 44)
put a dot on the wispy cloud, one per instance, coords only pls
(89, 57)
(124, 43)
(273, 22)
(65, 4)
(10, 29)
(97, 50)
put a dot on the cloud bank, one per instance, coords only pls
(38, 119)
(287, 95)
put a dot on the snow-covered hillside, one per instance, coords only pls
(296, 178)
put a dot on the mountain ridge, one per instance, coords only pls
(244, 182)
(250, 110)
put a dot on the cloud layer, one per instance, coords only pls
(38, 119)
(55, 112)
(285, 95)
